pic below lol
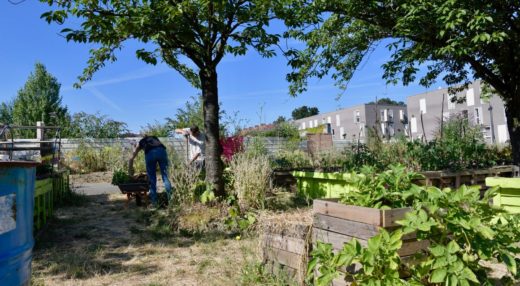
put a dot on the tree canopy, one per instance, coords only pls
(456, 40)
(84, 125)
(388, 101)
(38, 100)
(304, 111)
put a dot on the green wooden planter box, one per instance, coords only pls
(508, 195)
(47, 193)
(315, 185)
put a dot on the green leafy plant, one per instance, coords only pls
(120, 177)
(380, 263)
(393, 188)
(463, 230)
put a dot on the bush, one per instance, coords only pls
(87, 159)
(251, 179)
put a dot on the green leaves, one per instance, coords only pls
(379, 260)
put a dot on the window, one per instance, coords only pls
(310, 123)
(413, 124)
(337, 120)
(401, 115)
(384, 115)
(303, 125)
(383, 129)
(477, 115)
(422, 105)
(470, 97)
(390, 115)
(315, 122)
(361, 131)
(342, 133)
(357, 117)
(445, 116)
(451, 104)
(329, 120)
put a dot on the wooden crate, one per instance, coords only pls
(508, 195)
(287, 250)
(443, 179)
(337, 224)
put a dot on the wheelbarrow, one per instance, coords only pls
(139, 191)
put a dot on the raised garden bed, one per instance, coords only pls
(315, 185)
(508, 195)
(286, 243)
(337, 224)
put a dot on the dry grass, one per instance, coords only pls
(102, 243)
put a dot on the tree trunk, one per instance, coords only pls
(513, 126)
(208, 79)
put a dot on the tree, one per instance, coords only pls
(191, 114)
(84, 125)
(157, 129)
(199, 30)
(39, 100)
(6, 113)
(304, 111)
(388, 101)
(280, 119)
(458, 40)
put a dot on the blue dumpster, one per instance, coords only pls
(16, 222)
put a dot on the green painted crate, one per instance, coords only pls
(47, 193)
(315, 185)
(508, 195)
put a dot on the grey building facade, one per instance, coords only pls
(352, 123)
(426, 110)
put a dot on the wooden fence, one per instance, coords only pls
(47, 193)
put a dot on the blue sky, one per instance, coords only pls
(136, 93)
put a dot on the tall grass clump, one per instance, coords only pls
(185, 179)
(251, 179)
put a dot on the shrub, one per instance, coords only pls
(296, 159)
(251, 179)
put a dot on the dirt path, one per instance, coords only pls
(102, 243)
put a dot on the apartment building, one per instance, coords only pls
(352, 123)
(426, 110)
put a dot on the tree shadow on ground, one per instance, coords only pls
(104, 236)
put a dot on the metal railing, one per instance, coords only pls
(9, 144)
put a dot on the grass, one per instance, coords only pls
(99, 242)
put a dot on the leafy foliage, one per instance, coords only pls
(386, 190)
(120, 177)
(84, 125)
(458, 40)
(462, 229)
(157, 129)
(38, 100)
(388, 101)
(304, 111)
(171, 31)
(379, 260)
